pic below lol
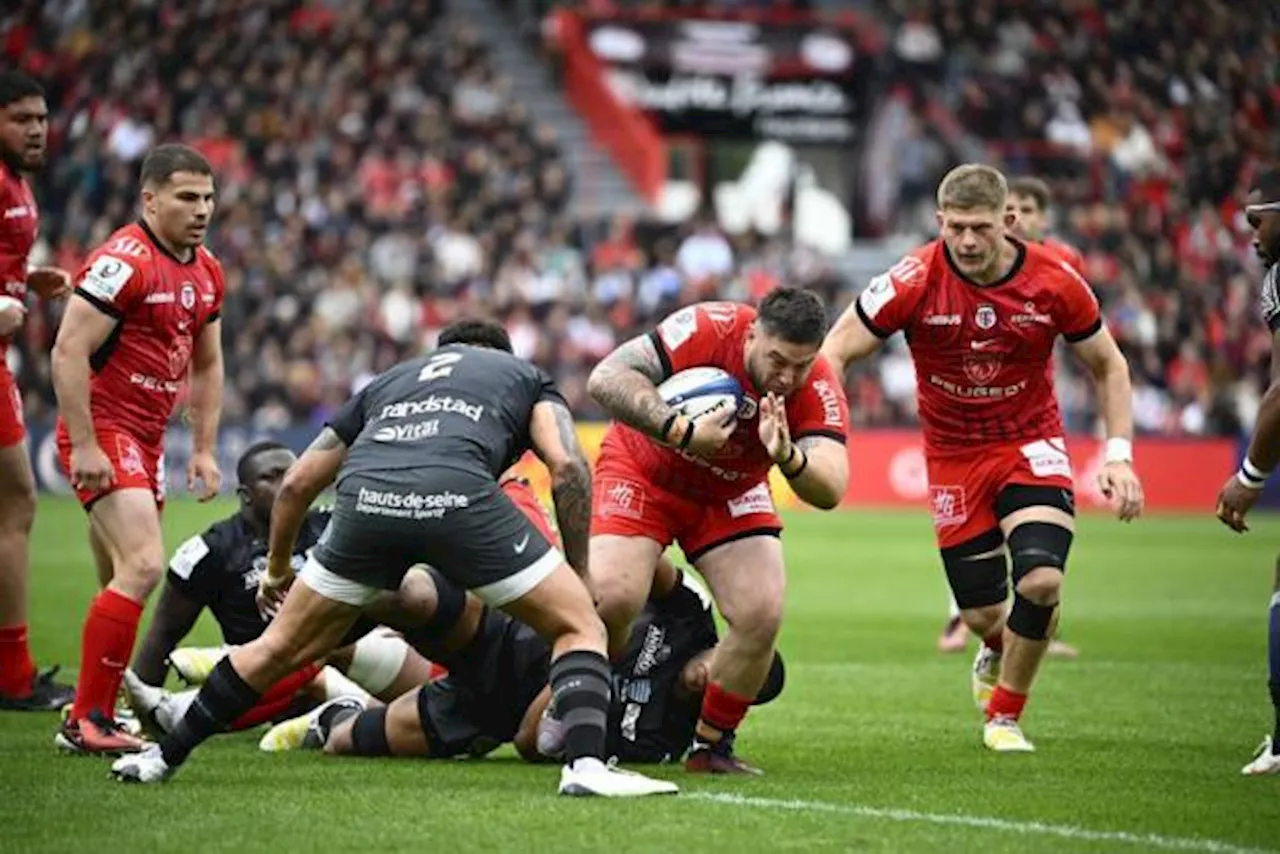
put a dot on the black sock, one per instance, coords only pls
(580, 688)
(1273, 663)
(335, 715)
(223, 698)
(1275, 701)
(369, 733)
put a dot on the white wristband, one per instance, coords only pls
(1119, 451)
(1251, 476)
(1249, 483)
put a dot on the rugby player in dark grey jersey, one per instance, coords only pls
(417, 455)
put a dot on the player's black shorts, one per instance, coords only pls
(459, 522)
(491, 684)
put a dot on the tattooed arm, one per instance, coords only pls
(625, 383)
(303, 482)
(555, 441)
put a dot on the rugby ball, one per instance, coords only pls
(698, 391)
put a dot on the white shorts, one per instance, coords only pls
(335, 587)
(512, 587)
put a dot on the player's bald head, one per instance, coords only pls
(165, 161)
(971, 187)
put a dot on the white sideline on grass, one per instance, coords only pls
(1030, 828)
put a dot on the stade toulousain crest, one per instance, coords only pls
(985, 317)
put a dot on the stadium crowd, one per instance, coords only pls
(378, 181)
(1150, 120)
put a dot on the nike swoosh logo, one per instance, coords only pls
(982, 345)
(522, 545)
(114, 665)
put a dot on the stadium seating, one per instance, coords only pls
(376, 182)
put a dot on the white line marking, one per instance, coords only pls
(1064, 831)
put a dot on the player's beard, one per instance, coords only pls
(18, 161)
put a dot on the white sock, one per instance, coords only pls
(336, 685)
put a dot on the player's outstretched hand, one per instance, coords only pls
(1234, 502)
(203, 467)
(272, 589)
(91, 470)
(12, 314)
(1119, 483)
(774, 433)
(711, 431)
(50, 282)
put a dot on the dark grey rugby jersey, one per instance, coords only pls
(648, 722)
(459, 407)
(1270, 302)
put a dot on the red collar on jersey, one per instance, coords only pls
(155, 241)
(1005, 279)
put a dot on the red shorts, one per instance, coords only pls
(963, 487)
(627, 503)
(12, 428)
(526, 501)
(136, 466)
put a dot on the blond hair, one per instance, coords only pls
(973, 186)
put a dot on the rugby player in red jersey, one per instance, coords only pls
(144, 316)
(1029, 200)
(981, 311)
(24, 133)
(704, 483)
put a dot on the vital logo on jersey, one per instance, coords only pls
(985, 316)
(411, 432)
(106, 278)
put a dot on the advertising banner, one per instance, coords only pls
(793, 81)
(887, 467)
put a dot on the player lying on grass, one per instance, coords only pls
(497, 689)
(219, 570)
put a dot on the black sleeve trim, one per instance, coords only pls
(101, 305)
(826, 434)
(216, 315)
(1088, 332)
(663, 357)
(875, 330)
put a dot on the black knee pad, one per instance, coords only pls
(369, 733)
(451, 601)
(1019, 496)
(977, 571)
(1029, 620)
(1036, 544)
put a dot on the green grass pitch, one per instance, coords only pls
(873, 746)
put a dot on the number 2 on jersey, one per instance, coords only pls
(439, 365)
